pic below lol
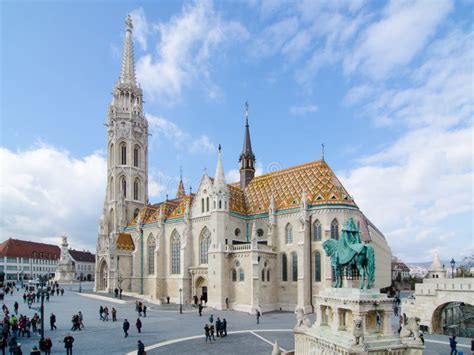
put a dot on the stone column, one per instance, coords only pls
(386, 324)
(335, 319)
(304, 277)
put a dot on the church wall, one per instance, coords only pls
(242, 295)
(383, 277)
(125, 271)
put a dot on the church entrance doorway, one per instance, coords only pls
(103, 276)
(201, 289)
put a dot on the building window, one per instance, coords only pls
(151, 254)
(241, 275)
(135, 213)
(284, 267)
(234, 275)
(11, 260)
(289, 234)
(263, 275)
(123, 183)
(175, 253)
(294, 266)
(136, 155)
(335, 229)
(317, 231)
(268, 275)
(123, 153)
(220, 204)
(207, 204)
(317, 266)
(136, 185)
(205, 242)
(202, 205)
(237, 232)
(260, 232)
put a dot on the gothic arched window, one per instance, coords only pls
(289, 234)
(263, 275)
(241, 275)
(123, 183)
(151, 254)
(234, 275)
(268, 275)
(175, 253)
(111, 187)
(202, 205)
(317, 266)
(123, 153)
(136, 191)
(335, 229)
(316, 231)
(294, 266)
(284, 267)
(207, 204)
(205, 242)
(136, 156)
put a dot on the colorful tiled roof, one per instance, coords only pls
(286, 186)
(26, 249)
(125, 242)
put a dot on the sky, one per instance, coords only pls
(386, 86)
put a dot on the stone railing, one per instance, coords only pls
(248, 247)
(430, 287)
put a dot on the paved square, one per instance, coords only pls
(165, 331)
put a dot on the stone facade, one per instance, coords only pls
(253, 244)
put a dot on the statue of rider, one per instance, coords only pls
(351, 236)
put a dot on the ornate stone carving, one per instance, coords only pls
(410, 332)
(358, 331)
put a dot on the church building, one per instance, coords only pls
(254, 243)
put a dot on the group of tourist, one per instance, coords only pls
(77, 321)
(140, 308)
(126, 326)
(220, 329)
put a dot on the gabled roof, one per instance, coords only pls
(26, 249)
(315, 178)
(82, 256)
(125, 242)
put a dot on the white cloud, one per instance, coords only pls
(163, 128)
(303, 110)
(188, 44)
(46, 193)
(394, 41)
(423, 179)
(140, 27)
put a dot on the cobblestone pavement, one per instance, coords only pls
(165, 331)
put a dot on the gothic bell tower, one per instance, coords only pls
(247, 157)
(127, 159)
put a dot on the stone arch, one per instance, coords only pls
(201, 288)
(102, 282)
(453, 318)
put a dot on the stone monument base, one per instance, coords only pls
(353, 321)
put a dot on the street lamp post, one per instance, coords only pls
(80, 284)
(453, 264)
(180, 301)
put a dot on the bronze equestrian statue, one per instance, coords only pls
(349, 252)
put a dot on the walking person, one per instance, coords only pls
(52, 321)
(46, 346)
(207, 332)
(453, 344)
(80, 318)
(101, 313)
(139, 325)
(211, 332)
(211, 319)
(200, 309)
(141, 348)
(144, 310)
(126, 327)
(224, 326)
(68, 341)
(114, 314)
(15, 307)
(258, 316)
(218, 327)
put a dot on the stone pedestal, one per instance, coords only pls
(66, 269)
(352, 321)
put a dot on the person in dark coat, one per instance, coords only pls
(453, 344)
(68, 341)
(224, 326)
(126, 327)
(46, 345)
(144, 310)
(52, 321)
(200, 309)
(207, 332)
(258, 316)
(141, 348)
(139, 325)
(218, 327)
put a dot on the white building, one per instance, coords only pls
(25, 260)
(243, 245)
(85, 264)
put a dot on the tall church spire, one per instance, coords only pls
(247, 158)
(180, 193)
(127, 74)
(219, 178)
